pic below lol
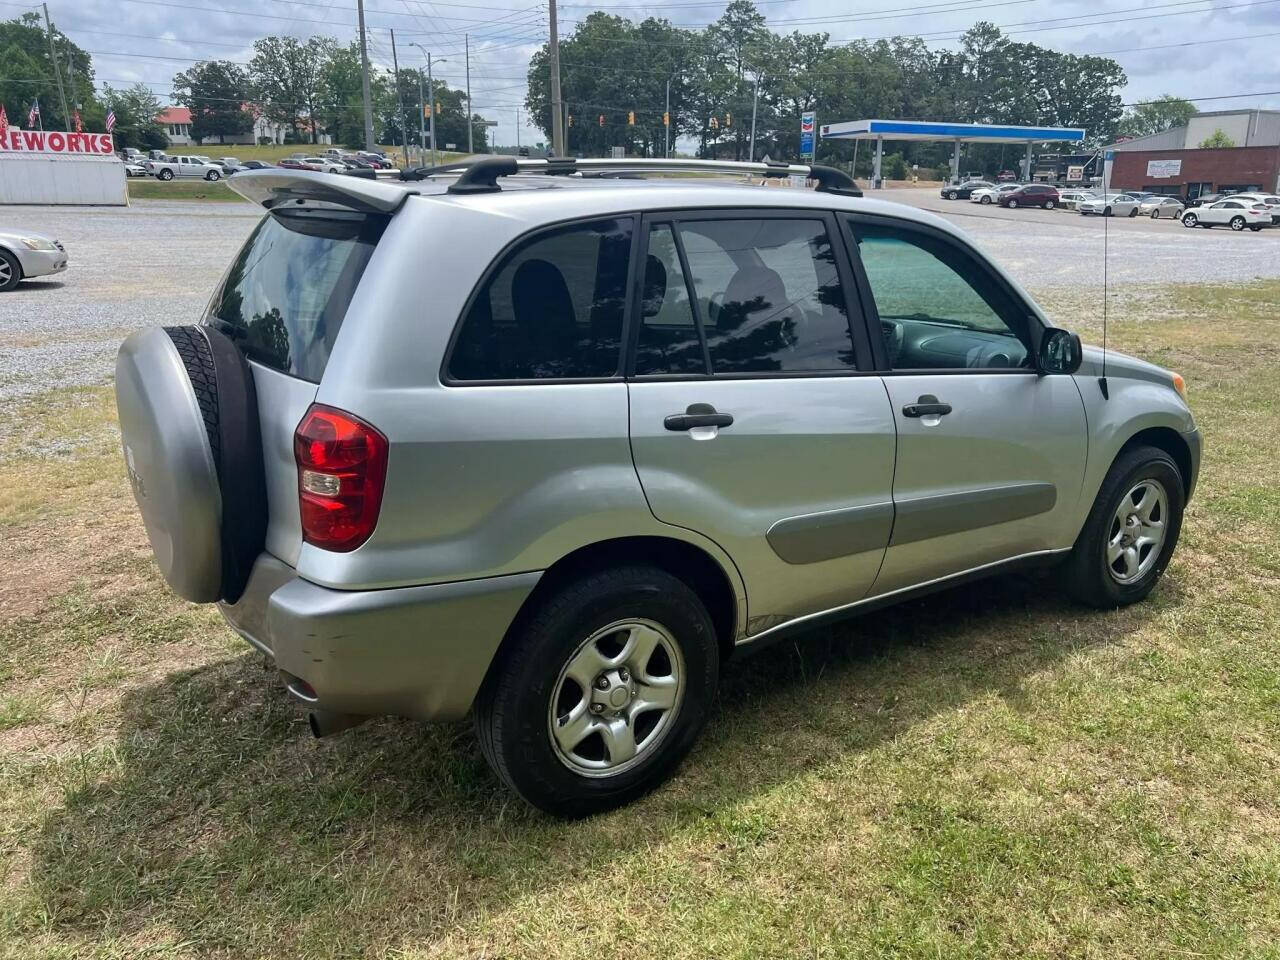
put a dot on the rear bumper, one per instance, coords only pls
(419, 652)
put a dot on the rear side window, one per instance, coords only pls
(552, 310)
(286, 294)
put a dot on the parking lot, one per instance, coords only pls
(157, 262)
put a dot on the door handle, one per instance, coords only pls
(697, 415)
(927, 406)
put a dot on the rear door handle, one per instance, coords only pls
(927, 406)
(697, 415)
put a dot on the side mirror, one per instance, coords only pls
(1060, 352)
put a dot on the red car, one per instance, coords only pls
(290, 163)
(1031, 195)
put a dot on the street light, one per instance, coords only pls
(431, 98)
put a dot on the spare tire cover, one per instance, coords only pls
(189, 426)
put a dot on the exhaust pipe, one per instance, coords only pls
(326, 724)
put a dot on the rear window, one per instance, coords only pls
(284, 298)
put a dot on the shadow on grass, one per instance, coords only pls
(218, 817)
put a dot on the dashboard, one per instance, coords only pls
(916, 343)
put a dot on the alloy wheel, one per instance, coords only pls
(6, 272)
(616, 698)
(1137, 531)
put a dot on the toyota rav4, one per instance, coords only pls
(545, 446)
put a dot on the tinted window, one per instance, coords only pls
(938, 308)
(768, 295)
(553, 309)
(668, 340)
(284, 298)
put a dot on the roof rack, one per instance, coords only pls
(480, 175)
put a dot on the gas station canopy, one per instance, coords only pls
(958, 133)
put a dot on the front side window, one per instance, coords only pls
(552, 310)
(938, 308)
(766, 293)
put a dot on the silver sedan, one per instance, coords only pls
(28, 254)
(1158, 207)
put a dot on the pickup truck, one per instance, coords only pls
(184, 166)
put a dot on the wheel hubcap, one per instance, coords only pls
(1137, 531)
(616, 698)
(6, 273)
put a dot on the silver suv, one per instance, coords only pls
(548, 447)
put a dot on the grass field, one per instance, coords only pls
(988, 772)
(152, 189)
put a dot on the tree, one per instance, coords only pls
(285, 78)
(1161, 114)
(217, 93)
(1218, 141)
(136, 109)
(28, 75)
(340, 99)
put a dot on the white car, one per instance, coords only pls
(1269, 200)
(184, 166)
(1235, 212)
(1156, 207)
(1070, 198)
(1111, 205)
(992, 194)
(28, 254)
(134, 170)
(326, 164)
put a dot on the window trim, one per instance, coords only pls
(499, 260)
(871, 315)
(862, 348)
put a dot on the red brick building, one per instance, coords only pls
(1173, 162)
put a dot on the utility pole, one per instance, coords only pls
(364, 81)
(666, 125)
(431, 92)
(517, 131)
(471, 126)
(57, 73)
(422, 119)
(755, 100)
(395, 69)
(557, 113)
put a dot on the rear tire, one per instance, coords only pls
(1255, 229)
(1133, 212)
(1110, 564)
(530, 701)
(213, 176)
(10, 271)
(953, 195)
(1048, 204)
(164, 175)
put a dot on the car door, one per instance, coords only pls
(756, 419)
(991, 454)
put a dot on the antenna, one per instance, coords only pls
(1102, 380)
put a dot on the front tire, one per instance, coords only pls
(984, 200)
(1012, 204)
(1155, 214)
(953, 195)
(1131, 531)
(1237, 223)
(600, 692)
(1133, 212)
(10, 271)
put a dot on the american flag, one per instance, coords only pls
(111, 119)
(33, 114)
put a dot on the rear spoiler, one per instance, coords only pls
(275, 187)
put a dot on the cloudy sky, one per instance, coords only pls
(1190, 48)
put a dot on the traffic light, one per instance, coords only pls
(426, 111)
(601, 120)
(728, 120)
(666, 119)
(571, 119)
(714, 124)
(631, 118)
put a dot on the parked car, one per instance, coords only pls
(325, 164)
(132, 169)
(257, 165)
(1269, 200)
(184, 166)
(576, 538)
(1206, 199)
(1110, 205)
(1156, 207)
(1006, 176)
(962, 191)
(1237, 214)
(379, 160)
(293, 163)
(25, 254)
(1069, 198)
(992, 193)
(1030, 195)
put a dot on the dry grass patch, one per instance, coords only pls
(990, 771)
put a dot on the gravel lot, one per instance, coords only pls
(156, 262)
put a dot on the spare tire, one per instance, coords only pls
(193, 451)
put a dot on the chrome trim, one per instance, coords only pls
(880, 597)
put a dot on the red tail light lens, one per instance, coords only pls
(342, 465)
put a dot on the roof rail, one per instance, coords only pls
(479, 174)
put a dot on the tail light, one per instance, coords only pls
(342, 465)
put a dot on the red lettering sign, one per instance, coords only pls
(56, 141)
